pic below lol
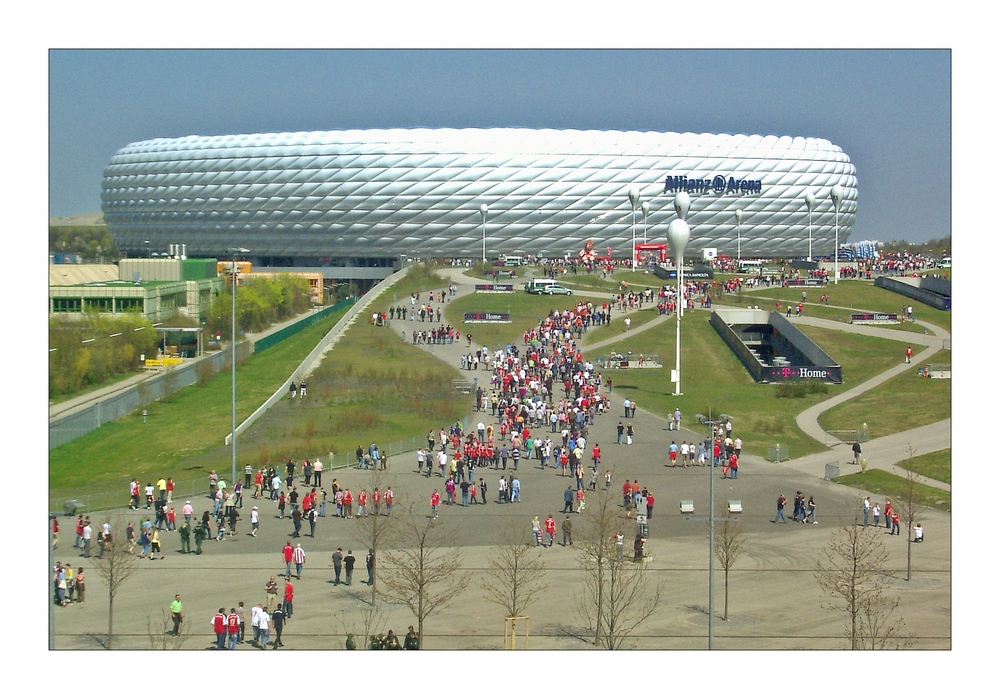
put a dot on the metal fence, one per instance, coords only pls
(847, 436)
(149, 390)
(170, 380)
(778, 453)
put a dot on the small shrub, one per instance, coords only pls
(790, 390)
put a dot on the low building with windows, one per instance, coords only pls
(157, 289)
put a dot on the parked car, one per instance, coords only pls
(556, 289)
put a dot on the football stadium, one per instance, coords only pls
(366, 198)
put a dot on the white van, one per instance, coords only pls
(944, 262)
(537, 286)
(511, 260)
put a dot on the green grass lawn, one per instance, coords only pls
(525, 311)
(183, 435)
(639, 281)
(617, 325)
(936, 465)
(899, 404)
(370, 387)
(713, 378)
(888, 484)
(850, 295)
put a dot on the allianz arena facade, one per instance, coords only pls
(366, 195)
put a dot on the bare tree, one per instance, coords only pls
(730, 538)
(160, 632)
(516, 572)
(618, 594)
(911, 507)
(852, 570)
(376, 532)
(363, 622)
(425, 572)
(115, 566)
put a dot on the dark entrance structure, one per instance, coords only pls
(772, 349)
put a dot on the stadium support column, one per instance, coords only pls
(678, 235)
(836, 193)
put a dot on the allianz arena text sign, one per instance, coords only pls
(718, 184)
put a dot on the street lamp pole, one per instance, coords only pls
(836, 193)
(633, 197)
(739, 237)
(232, 343)
(678, 235)
(483, 210)
(810, 204)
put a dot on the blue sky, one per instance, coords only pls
(890, 110)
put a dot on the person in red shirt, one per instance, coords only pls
(170, 490)
(233, 628)
(219, 626)
(287, 554)
(362, 503)
(376, 500)
(435, 502)
(550, 530)
(348, 498)
(649, 504)
(79, 531)
(289, 594)
(626, 492)
(596, 453)
(388, 496)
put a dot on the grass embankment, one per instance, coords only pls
(617, 325)
(890, 485)
(713, 378)
(372, 387)
(936, 465)
(901, 403)
(850, 295)
(183, 435)
(525, 311)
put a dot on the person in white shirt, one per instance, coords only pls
(264, 622)
(684, 454)
(442, 461)
(254, 521)
(255, 623)
(420, 460)
(918, 533)
(318, 473)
